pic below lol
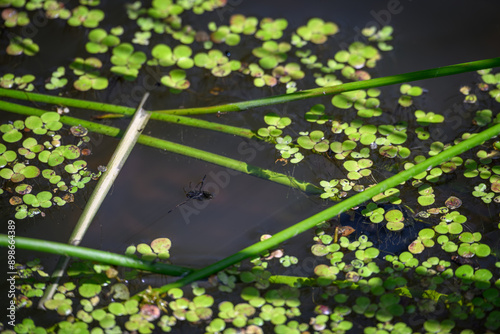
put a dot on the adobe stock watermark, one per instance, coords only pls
(38, 21)
(457, 114)
(11, 273)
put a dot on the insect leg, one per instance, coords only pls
(178, 205)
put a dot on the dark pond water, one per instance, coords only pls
(427, 34)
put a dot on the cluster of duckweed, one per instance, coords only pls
(408, 92)
(164, 17)
(57, 80)
(269, 68)
(37, 169)
(439, 284)
(447, 249)
(87, 71)
(18, 46)
(14, 18)
(159, 248)
(355, 287)
(100, 41)
(127, 62)
(9, 80)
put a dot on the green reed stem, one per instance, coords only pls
(90, 254)
(220, 160)
(104, 107)
(322, 91)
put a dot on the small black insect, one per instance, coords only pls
(195, 193)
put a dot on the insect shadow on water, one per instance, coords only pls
(196, 193)
(387, 241)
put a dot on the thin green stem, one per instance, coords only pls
(202, 124)
(322, 91)
(356, 200)
(220, 160)
(65, 101)
(104, 107)
(90, 254)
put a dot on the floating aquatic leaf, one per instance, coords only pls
(315, 140)
(19, 46)
(141, 37)
(225, 34)
(390, 195)
(14, 18)
(163, 54)
(328, 80)
(317, 31)
(346, 100)
(358, 169)
(266, 80)
(435, 148)
(88, 70)
(411, 90)
(81, 15)
(483, 117)
(7, 80)
(375, 213)
(416, 247)
(482, 250)
(127, 62)
(182, 54)
(424, 118)
(381, 36)
(57, 80)
(464, 272)
(59, 303)
(290, 71)
(277, 121)
(271, 53)
(453, 202)
(271, 29)
(405, 101)
(176, 80)
(55, 9)
(241, 24)
(342, 150)
(12, 135)
(316, 114)
(100, 41)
